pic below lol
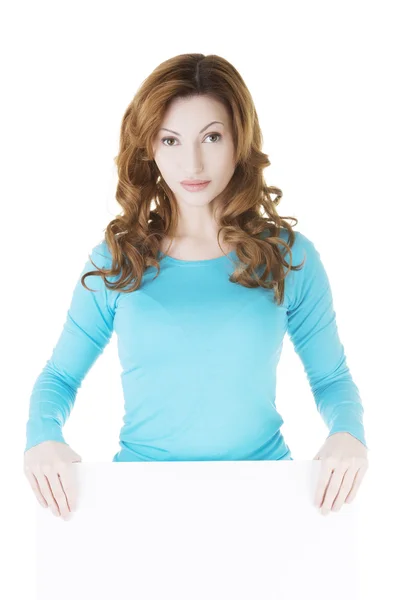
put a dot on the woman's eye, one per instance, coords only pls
(173, 138)
(165, 139)
(215, 134)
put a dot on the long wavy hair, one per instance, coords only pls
(248, 218)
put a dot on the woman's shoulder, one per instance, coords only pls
(301, 242)
(101, 253)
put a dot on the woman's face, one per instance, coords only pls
(195, 147)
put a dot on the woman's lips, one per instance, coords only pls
(195, 187)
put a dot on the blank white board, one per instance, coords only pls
(218, 530)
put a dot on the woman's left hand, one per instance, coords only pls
(344, 464)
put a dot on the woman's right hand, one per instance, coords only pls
(47, 467)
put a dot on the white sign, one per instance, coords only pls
(219, 530)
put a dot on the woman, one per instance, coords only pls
(196, 289)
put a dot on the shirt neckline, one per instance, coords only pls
(195, 263)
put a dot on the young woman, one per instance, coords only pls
(200, 278)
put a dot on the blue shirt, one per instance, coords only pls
(199, 356)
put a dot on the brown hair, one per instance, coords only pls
(247, 211)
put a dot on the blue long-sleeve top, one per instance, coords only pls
(199, 356)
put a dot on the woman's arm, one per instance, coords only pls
(312, 329)
(86, 332)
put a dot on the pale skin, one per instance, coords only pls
(344, 464)
(208, 155)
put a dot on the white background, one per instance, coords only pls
(324, 82)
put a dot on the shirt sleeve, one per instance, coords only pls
(313, 331)
(87, 330)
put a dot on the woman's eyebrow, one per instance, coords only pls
(201, 131)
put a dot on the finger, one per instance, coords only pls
(45, 488)
(356, 484)
(58, 492)
(334, 487)
(344, 488)
(36, 489)
(69, 483)
(323, 481)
